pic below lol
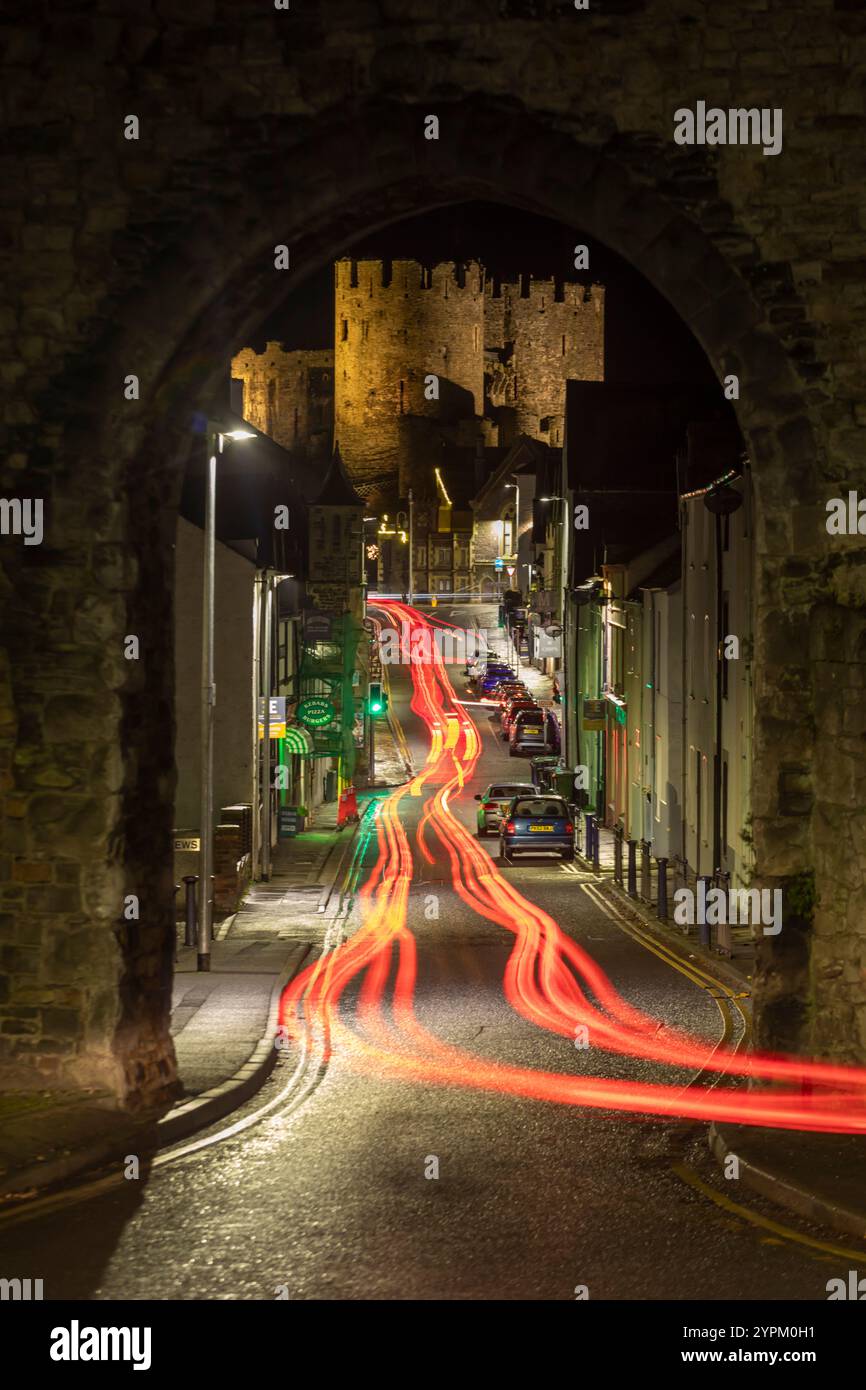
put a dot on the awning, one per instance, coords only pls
(299, 740)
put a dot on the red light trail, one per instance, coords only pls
(548, 978)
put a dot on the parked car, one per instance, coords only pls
(493, 668)
(489, 684)
(495, 801)
(536, 824)
(554, 732)
(527, 733)
(511, 690)
(515, 707)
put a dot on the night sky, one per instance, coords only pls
(646, 341)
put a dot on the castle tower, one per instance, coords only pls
(392, 332)
(539, 334)
(289, 396)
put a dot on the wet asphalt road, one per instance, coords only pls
(329, 1200)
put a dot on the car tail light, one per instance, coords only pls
(509, 827)
(569, 828)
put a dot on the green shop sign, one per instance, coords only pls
(316, 712)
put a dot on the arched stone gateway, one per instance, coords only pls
(155, 258)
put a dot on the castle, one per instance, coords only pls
(427, 362)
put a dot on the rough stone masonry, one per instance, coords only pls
(147, 256)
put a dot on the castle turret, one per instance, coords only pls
(397, 329)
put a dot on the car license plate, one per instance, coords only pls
(540, 827)
(530, 729)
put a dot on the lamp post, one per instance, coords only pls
(215, 441)
(569, 752)
(516, 487)
(411, 548)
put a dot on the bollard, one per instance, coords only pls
(704, 926)
(646, 888)
(589, 820)
(632, 868)
(191, 931)
(662, 865)
(617, 854)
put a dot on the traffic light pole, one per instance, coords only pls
(371, 756)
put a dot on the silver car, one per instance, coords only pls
(496, 800)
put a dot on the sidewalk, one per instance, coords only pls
(223, 1024)
(821, 1177)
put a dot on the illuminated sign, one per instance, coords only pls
(316, 712)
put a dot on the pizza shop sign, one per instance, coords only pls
(315, 712)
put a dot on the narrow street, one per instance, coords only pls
(373, 1175)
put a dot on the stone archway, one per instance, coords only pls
(206, 279)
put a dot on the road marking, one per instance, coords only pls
(689, 1176)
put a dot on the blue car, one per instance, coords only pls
(489, 682)
(538, 824)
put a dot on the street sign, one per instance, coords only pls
(499, 563)
(288, 822)
(509, 570)
(316, 711)
(185, 844)
(276, 716)
(594, 715)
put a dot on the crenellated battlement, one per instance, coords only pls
(373, 278)
(543, 294)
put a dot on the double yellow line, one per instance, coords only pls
(727, 999)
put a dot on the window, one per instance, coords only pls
(563, 344)
(508, 536)
(365, 328)
(402, 396)
(344, 330)
(475, 337)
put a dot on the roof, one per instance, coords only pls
(526, 455)
(337, 491)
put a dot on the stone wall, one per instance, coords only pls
(388, 337)
(289, 396)
(549, 334)
(305, 128)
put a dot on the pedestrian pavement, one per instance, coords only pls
(223, 1024)
(820, 1177)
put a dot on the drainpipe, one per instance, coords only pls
(684, 666)
(717, 751)
(266, 741)
(257, 685)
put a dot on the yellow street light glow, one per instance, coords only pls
(442, 485)
(239, 434)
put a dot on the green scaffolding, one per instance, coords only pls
(327, 667)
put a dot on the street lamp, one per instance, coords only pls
(215, 440)
(516, 487)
